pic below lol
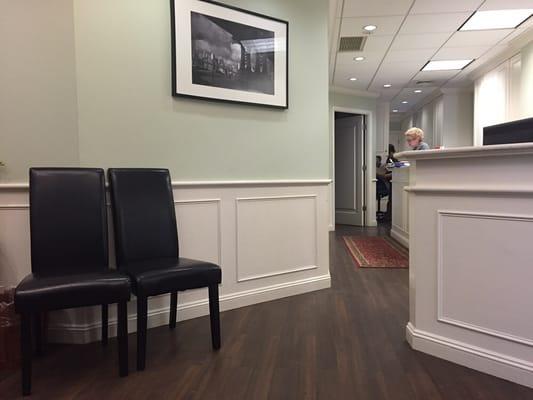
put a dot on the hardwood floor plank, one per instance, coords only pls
(343, 343)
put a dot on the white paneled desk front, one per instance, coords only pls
(471, 257)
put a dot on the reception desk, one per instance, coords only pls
(400, 204)
(470, 214)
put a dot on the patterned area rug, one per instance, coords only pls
(376, 252)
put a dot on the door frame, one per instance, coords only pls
(370, 150)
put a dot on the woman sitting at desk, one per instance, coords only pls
(414, 137)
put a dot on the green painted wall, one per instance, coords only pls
(89, 83)
(352, 101)
(38, 106)
(128, 118)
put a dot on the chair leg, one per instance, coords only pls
(26, 349)
(122, 333)
(142, 311)
(214, 314)
(173, 310)
(38, 333)
(105, 315)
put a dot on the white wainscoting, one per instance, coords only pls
(400, 205)
(497, 291)
(276, 235)
(270, 238)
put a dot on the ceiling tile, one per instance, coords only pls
(422, 41)
(378, 43)
(370, 58)
(343, 74)
(414, 99)
(506, 4)
(444, 6)
(345, 83)
(358, 8)
(477, 38)
(385, 25)
(397, 73)
(421, 55)
(433, 23)
(460, 53)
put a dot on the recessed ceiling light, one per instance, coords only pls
(446, 65)
(418, 91)
(405, 102)
(360, 58)
(387, 85)
(370, 28)
(394, 110)
(353, 79)
(496, 19)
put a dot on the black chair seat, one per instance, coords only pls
(69, 291)
(153, 277)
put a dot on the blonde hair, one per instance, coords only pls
(414, 133)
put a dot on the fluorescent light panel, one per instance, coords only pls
(496, 19)
(446, 65)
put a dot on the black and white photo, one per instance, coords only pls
(223, 53)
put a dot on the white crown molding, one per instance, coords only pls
(353, 92)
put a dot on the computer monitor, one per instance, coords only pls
(520, 131)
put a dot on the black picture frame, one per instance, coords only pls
(267, 90)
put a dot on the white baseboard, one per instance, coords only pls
(400, 235)
(86, 333)
(500, 365)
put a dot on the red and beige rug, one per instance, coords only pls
(376, 252)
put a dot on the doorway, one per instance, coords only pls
(350, 168)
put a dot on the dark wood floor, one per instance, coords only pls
(346, 342)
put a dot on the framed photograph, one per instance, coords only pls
(225, 53)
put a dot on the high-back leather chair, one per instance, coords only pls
(69, 257)
(146, 241)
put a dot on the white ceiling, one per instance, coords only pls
(409, 34)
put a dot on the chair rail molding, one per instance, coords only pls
(222, 222)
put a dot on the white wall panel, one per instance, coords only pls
(499, 96)
(477, 285)
(199, 229)
(276, 235)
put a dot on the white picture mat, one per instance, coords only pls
(184, 83)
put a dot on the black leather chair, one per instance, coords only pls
(146, 242)
(69, 257)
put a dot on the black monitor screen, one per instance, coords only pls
(510, 132)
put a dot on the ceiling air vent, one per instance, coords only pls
(424, 83)
(352, 43)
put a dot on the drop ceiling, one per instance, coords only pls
(410, 33)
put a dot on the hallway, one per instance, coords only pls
(347, 342)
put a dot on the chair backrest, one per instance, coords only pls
(143, 214)
(68, 220)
